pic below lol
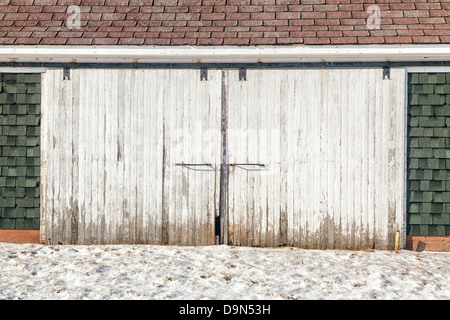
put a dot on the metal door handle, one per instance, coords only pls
(224, 164)
(194, 164)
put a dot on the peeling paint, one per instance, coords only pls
(321, 170)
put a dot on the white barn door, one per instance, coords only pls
(310, 158)
(192, 156)
(322, 158)
(113, 145)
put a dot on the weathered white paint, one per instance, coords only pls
(427, 69)
(333, 145)
(152, 54)
(22, 70)
(43, 166)
(331, 142)
(111, 141)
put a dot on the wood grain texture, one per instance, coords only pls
(332, 142)
(112, 139)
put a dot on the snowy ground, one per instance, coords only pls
(30, 271)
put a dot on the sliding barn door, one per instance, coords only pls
(316, 158)
(192, 156)
(254, 156)
(114, 147)
(310, 158)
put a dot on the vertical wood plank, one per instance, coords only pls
(168, 123)
(147, 129)
(158, 169)
(115, 156)
(363, 129)
(100, 156)
(58, 228)
(297, 127)
(48, 116)
(107, 108)
(44, 158)
(371, 157)
(400, 156)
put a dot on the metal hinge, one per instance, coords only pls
(66, 75)
(387, 73)
(203, 74)
(242, 74)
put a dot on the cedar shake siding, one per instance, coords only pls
(223, 22)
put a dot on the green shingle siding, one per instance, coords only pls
(429, 154)
(19, 150)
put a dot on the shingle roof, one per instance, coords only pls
(223, 22)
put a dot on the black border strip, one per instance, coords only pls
(257, 65)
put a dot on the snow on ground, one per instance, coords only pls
(32, 271)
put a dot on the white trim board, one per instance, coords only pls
(22, 70)
(224, 54)
(427, 69)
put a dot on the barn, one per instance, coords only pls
(317, 124)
